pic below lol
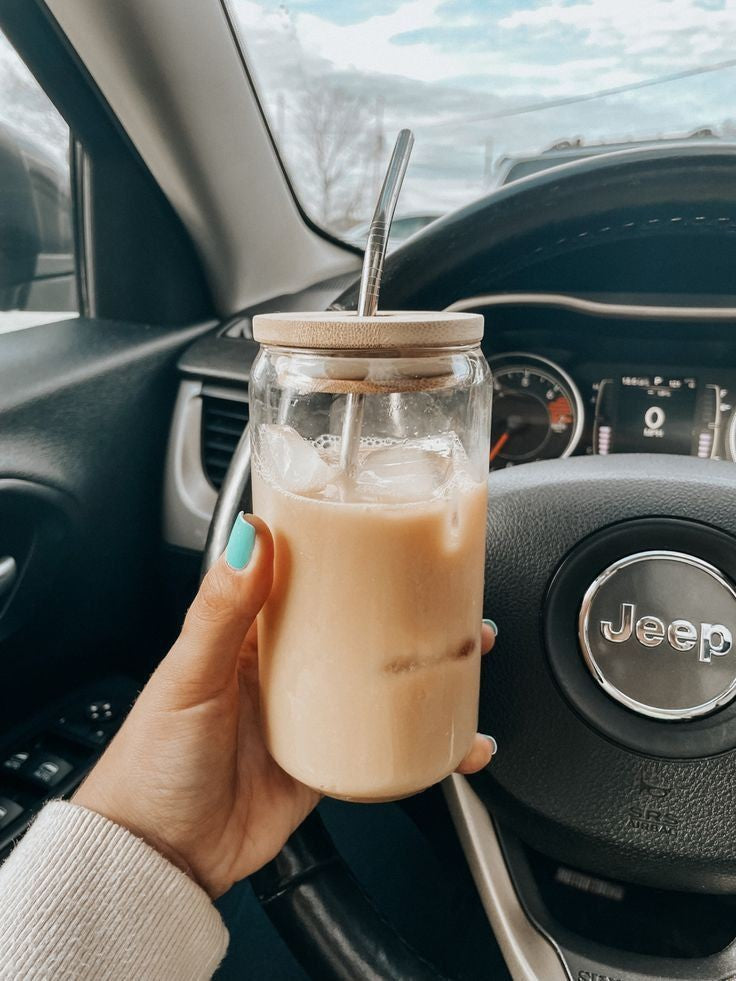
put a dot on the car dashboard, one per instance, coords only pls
(601, 378)
(590, 374)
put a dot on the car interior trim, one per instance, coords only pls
(589, 960)
(322, 232)
(83, 228)
(189, 498)
(161, 282)
(596, 308)
(530, 954)
(48, 755)
(218, 169)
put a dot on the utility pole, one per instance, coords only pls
(379, 143)
(280, 116)
(488, 162)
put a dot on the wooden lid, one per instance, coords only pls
(345, 330)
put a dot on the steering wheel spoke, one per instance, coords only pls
(530, 954)
(534, 945)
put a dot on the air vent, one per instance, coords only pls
(223, 421)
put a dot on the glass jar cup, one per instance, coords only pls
(369, 643)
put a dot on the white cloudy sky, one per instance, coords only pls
(328, 69)
(445, 67)
(25, 108)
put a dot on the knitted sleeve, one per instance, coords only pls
(82, 898)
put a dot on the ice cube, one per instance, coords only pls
(402, 473)
(293, 463)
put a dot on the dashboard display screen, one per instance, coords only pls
(647, 414)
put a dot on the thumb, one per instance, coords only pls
(204, 658)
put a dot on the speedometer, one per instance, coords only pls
(537, 410)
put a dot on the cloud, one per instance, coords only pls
(439, 65)
(26, 109)
(679, 28)
(353, 12)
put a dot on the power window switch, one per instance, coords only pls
(94, 734)
(16, 762)
(100, 711)
(9, 811)
(46, 770)
(91, 734)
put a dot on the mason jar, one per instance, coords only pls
(369, 644)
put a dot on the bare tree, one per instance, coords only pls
(328, 141)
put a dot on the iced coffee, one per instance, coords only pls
(369, 645)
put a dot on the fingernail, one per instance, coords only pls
(492, 624)
(492, 741)
(240, 544)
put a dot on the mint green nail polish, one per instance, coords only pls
(240, 544)
(492, 625)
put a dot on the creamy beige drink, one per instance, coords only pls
(370, 642)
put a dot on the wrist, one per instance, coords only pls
(91, 800)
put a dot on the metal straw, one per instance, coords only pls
(370, 282)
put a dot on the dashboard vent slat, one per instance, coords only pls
(223, 421)
(226, 429)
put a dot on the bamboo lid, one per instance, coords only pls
(387, 330)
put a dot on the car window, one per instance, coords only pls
(37, 280)
(483, 85)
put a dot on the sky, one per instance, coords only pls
(25, 107)
(339, 78)
(445, 68)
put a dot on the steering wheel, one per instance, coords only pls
(585, 777)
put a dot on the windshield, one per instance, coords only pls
(493, 90)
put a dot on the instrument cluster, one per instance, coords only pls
(541, 412)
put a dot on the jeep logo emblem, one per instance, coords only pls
(656, 632)
(712, 639)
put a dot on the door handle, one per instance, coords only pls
(8, 574)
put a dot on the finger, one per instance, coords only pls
(248, 657)
(250, 644)
(481, 753)
(488, 634)
(205, 656)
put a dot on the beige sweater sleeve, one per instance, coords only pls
(82, 898)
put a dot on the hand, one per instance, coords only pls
(189, 771)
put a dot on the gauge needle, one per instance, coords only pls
(498, 446)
